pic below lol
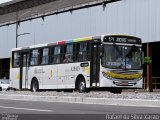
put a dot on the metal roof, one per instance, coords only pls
(49, 8)
(10, 2)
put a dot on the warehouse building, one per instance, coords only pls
(30, 22)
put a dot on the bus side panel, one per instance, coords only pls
(15, 77)
(85, 71)
(66, 78)
(35, 72)
(67, 74)
(49, 77)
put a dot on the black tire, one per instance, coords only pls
(0, 89)
(34, 86)
(8, 89)
(82, 86)
(59, 90)
(116, 90)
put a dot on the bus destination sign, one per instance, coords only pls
(122, 39)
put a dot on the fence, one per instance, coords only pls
(155, 82)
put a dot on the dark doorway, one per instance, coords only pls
(4, 68)
(24, 70)
(156, 65)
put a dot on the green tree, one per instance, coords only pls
(147, 60)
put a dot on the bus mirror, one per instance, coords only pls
(101, 50)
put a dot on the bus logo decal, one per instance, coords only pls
(38, 71)
(75, 68)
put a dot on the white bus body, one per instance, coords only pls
(93, 70)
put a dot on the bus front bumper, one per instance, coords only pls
(121, 83)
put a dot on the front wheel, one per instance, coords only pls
(116, 90)
(35, 86)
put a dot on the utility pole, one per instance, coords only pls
(149, 69)
(17, 27)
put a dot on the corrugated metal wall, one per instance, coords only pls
(134, 17)
(7, 40)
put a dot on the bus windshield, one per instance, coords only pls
(121, 57)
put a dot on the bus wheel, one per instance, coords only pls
(82, 86)
(116, 90)
(35, 86)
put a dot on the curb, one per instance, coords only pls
(85, 100)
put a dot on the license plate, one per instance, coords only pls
(124, 83)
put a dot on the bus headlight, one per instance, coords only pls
(106, 76)
(140, 78)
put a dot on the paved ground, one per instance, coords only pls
(30, 107)
(47, 109)
(84, 100)
(92, 94)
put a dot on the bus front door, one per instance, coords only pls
(95, 64)
(24, 71)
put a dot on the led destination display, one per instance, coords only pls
(122, 39)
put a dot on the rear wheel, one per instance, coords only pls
(0, 89)
(82, 85)
(35, 86)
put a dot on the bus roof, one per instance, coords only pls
(54, 43)
(70, 41)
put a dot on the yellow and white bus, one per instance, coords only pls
(106, 61)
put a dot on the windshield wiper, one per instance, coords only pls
(117, 49)
(133, 49)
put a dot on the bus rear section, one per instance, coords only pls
(59, 65)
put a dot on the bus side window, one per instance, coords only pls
(63, 55)
(68, 57)
(57, 54)
(45, 56)
(76, 51)
(83, 50)
(34, 57)
(16, 59)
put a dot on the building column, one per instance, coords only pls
(149, 69)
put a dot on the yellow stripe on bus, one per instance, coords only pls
(51, 73)
(87, 70)
(18, 76)
(10, 61)
(124, 76)
(83, 39)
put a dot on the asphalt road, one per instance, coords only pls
(31, 110)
